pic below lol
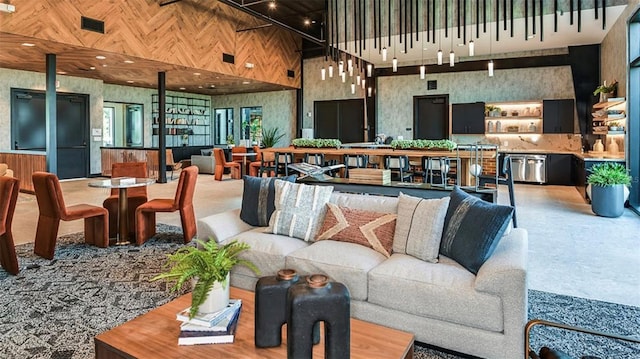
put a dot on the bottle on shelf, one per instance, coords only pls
(498, 126)
(598, 146)
(490, 127)
(532, 127)
(613, 148)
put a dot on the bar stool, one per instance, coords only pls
(399, 166)
(282, 161)
(354, 161)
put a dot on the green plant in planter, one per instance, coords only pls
(446, 145)
(230, 140)
(316, 142)
(608, 181)
(208, 264)
(606, 89)
(270, 137)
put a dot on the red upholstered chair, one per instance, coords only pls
(52, 210)
(9, 188)
(221, 164)
(135, 195)
(183, 202)
(254, 166)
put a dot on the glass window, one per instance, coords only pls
(633, 110)
(122, 124)
(251, 125)
(224, 126)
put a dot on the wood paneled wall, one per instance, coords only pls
(192, 33)
(23, 166)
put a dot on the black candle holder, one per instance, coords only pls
(310, 303)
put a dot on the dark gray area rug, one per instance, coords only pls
(54, 308)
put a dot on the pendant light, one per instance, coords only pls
(423, 71)
(351, 72)
(353, 88)
(358, 80)
(384, 54)
(452, 58)
(344, 76)
(472, 45)
(439, 57)
(369, 91)
(439, 39)
(323, 74)
(331, 71)
(490, 65)
(490, 68)
(369, 70)
(472, 51)
(362, 83)
(341, 67)
(395, 64)
(350, 66)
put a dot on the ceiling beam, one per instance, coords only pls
(169, 2)
(263, 17)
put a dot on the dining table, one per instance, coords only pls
(122, 184)
(244, 156)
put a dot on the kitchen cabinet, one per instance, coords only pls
(467, 118)
(580, 176)
(560, 169)
(558, 116)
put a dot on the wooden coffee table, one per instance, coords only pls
(155, 335)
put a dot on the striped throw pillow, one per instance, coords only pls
(300, 209)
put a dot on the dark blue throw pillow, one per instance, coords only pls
(472, 229)
(258, 199)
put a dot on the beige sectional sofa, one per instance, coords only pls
(442, 303)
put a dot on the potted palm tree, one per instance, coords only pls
(608, 181)
(208, 265)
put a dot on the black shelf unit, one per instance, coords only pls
(183, 116)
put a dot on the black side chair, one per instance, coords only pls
(505, 178)
(399, 166)
(435, 170)
(314, 159)
(354, 161)
(283, 160)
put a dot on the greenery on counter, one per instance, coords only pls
(423, 144)
(609, 174)
(316, 142)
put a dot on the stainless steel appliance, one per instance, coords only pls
(529, 168)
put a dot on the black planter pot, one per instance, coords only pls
(607, 201)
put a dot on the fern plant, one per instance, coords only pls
(609, 174)
(208, 264)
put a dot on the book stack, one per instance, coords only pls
(213, 328)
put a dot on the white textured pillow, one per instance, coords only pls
(419, 226)
(300, 209)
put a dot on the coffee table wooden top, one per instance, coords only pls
(155, 335)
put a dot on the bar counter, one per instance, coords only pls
(23, 164)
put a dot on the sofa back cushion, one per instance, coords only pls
(472, 229)
(258, 199)
(299, 209)
(365, 202)
(370, 229)
(419, 227)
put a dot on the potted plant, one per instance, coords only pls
(615, 126)
(608, 181)
(231, 141)
(208, 265)
(270, 137)
(606, 91)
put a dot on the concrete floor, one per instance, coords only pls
(571, 251)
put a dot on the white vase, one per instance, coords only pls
(217, 299)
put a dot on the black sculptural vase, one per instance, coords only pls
(271, 308)
(310, 303)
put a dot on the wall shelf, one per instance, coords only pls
(183, 116)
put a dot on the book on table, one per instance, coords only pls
(211, 320)
(200, 336)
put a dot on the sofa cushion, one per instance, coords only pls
(419, 227)
(258, 199)
(472, 229)
(267, 251)
(357, 201)
(442, 291)
(347, 263)
(300, 209)
(370, 229)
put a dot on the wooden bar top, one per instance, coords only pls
(380, 152)
(155, 335)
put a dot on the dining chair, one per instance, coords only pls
(254, 166)
(282, 162)
(183, 202)
(267, 164)
(238, 159)
(399, 166)
(354, 161)
(53, 209)
(135, 195)
(9, 188)
(171, 165)
(221, 164)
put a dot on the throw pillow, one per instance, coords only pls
(420, 225)
(299, 210)
(472, 229)
(370, 229)
(258, 199)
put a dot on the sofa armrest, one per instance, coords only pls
(222, 226)
(505, 270)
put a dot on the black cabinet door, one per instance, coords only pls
(560, 169)
(467, 118)
(558, 116)
(580, 176)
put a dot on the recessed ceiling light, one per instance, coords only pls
(199, 87)
(246, 82)
(62, 72)
(307, 22)
(100, 57)
(28, 44)
(129, 81)
(92, 68)
(213, 86)
(531, 36)
(460, 45)
(272, 5)
(128, 61)
(217, 77)
(104, 65)
(197, 73)
(182, 88)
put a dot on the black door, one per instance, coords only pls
(29, 132)
(341, 119)
(431, 117)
